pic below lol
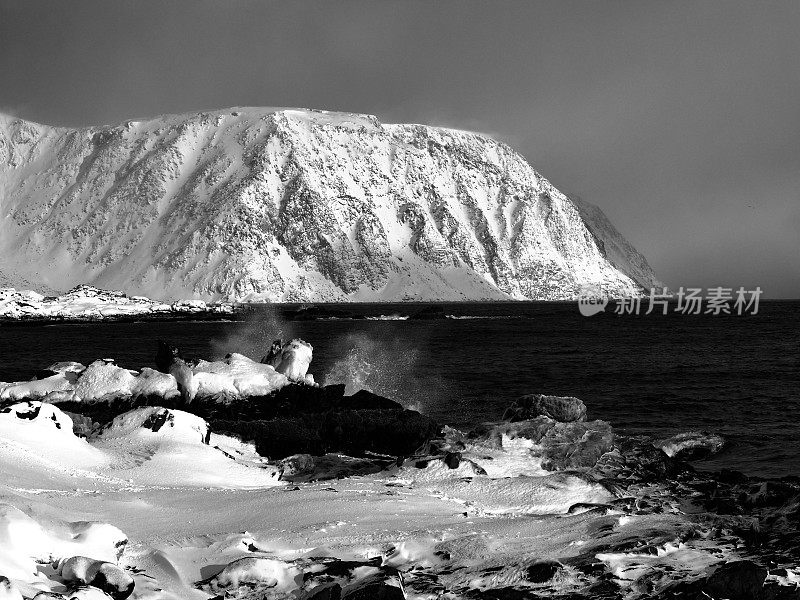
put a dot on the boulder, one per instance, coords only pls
(354, 432)
(739, 580)
(542, 571)
(564, 409)
(374, 589)
(492, 434)
(575, 445)
(692, 445)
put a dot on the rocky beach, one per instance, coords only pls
(232, 479)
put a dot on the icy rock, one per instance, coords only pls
(692, 445)
(559, 408)
(105, 576)
(103, 380)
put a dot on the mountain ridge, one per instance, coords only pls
(260, 204)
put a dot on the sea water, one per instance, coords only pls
(654, 375)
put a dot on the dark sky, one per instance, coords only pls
(680, 119)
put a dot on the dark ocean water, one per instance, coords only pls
(738, 376)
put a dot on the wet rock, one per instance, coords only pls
(354, 432)
(297, 464)
(691, 445)
(82, 426)
(564, 409)
(576, 444)
(492, 433)
(739, 580)
(542, 571)
(374, 589)
(452, 459)
(324, 592)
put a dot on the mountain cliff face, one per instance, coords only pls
(294, 205)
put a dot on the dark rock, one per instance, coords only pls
(158, 419)
(82, 426)
(353, 432)
(542, 572)
(297, 464)
(166, 355)
(274, 354)
(692, 445)
(374, 589)
(732, 477)
(30, 412)
(638, 460)
(576, 444)
(564, 409)
(492, 433)
(740, 580)
(452, 459)
(331, 591)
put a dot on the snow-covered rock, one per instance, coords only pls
(151, 422)
(160, 446)
(85, 302)
(292, 359)
(105, 576)
(26, 541)
(41, 434)
(258, 574)
(103, 380)
(238, 375)
(267, 204)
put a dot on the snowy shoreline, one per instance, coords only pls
(263, 487)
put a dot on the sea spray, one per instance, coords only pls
(389, 368)
(253, 337)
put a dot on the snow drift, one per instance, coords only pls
(295, 205)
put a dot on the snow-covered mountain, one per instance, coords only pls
(294, 205)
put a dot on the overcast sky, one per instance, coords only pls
(681, 120)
